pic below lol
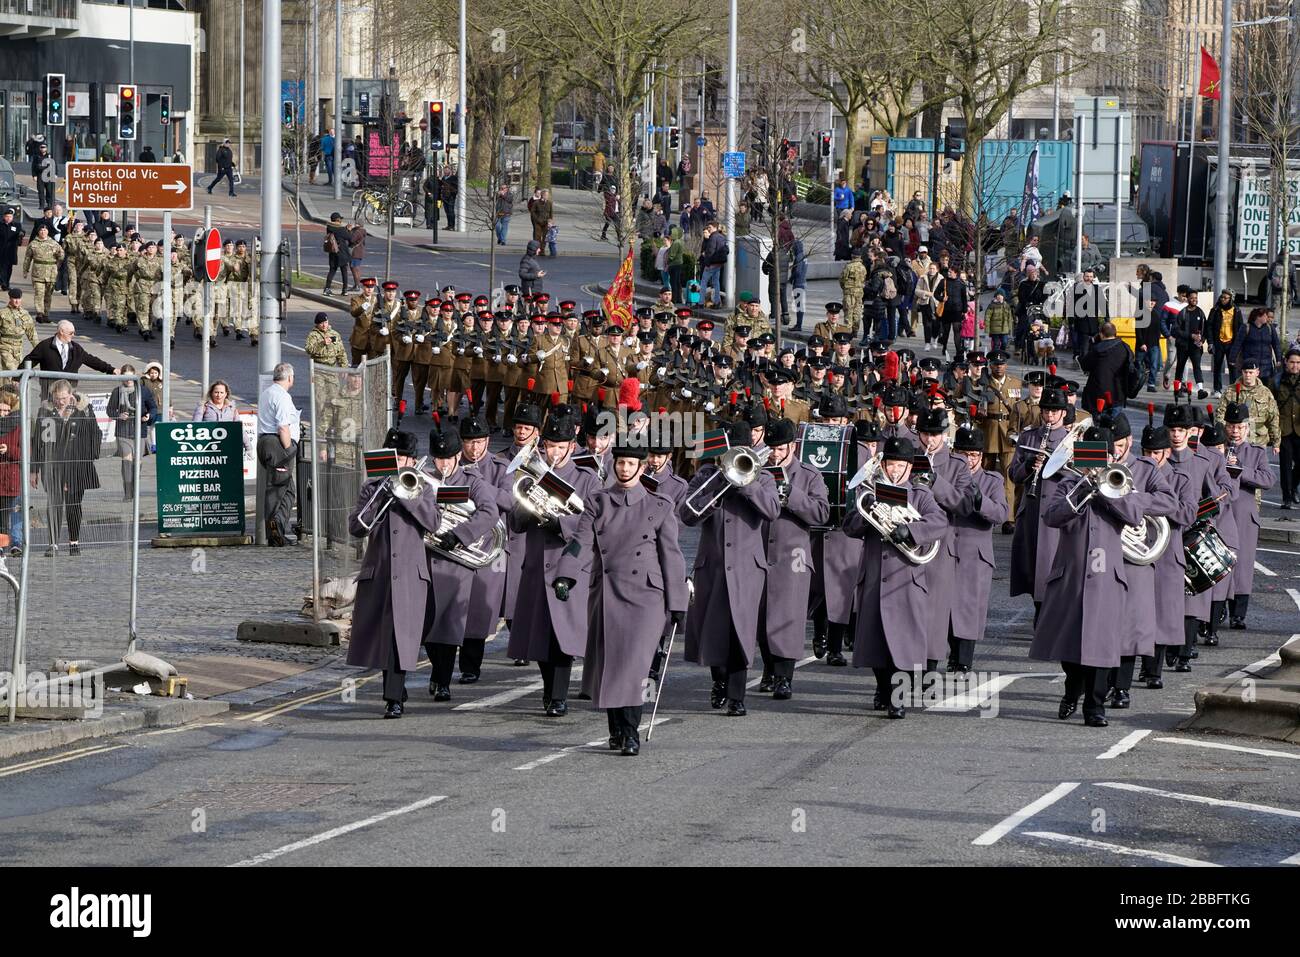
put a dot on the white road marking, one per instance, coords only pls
(751, 685)
(1005, 827)
(502, 697)
(971, 699)
(338, 832)
(1199, 799)
(1120, 849)
(574, 748)
(1264, 571)
(183, 728)
(39, 763)
(1262, 752)
(1295, 597)
(1276, 551)
(1294, 859)
(1124, 744)
(1252, 669)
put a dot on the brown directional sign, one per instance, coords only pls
(130, 186)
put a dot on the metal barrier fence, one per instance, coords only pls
(351, 412)
(69, 463)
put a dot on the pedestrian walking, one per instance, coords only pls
(277, 449)
(505, 204)
(226, 165)
(65, 445)
(338, 248)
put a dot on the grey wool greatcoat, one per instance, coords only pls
(514, 540)
(972, 530)
(393, 594)
(837, 558)
(1199, 483)
(488, 592)
(951, 480)
(1034, 542)
(1226, 523)
(730, 568)
(1087, 588)
(453, 584)
(1256, 476)
(628, 546)
(893, 596)
(1171, 566)
(671, 485)
(1139, 632)
(790, 560)
(537, 610)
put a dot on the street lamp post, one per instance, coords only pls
(1225, 135)
(729, 293)
(338, 105)
(461, 128)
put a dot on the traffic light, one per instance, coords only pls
(165, 107)
(437, 125)
(287, 113)
(54, 99)
(826, 142)
(674, 137)
(759, 146)
(954, 140)
(126, 102)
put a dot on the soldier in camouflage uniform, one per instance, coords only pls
(853, 284)
(180, 275)
(324, 345)
(42, 264)
(148, 278)
(75, 248)
(221, 289)
(117, 272)
(242, 304)
(91, 279)
(15, 325)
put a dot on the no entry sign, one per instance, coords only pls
(212, 254)
(130, 186)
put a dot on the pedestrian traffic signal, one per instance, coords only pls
(826, 142)
(954, 140)
(165, 107)
(437, 125)
(287, 113)
(54, 99)
(127, 97)
(674, 137)
(759, 147)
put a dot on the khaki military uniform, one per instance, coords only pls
(552, 374)
(326, 348)
(995, 421)
(494, 376)
(221, 297)
(362, 309)
(15, 326)
(74, 249)
(584, 347)
(240, 292)
(758, 326)
(517, 375)
(117, 272)
(42, 264)
(853, 283)
(402, 334)
(90, 295)
(1265, 420)
(442, 360)
(147, 275)
(423, 356)
(608, 366)
(384, 318)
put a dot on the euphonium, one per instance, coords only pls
(529, 492)
(885, 518)
(477, 554)
(1134, 539)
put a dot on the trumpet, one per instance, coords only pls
(408, 484)
(737, 468)
(530, 492)
(885, 518)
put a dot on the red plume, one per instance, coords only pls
(663, 410)
(891, 366)
(767, 403)
(469, 395)
(531, 384)
(1051, 370)
(570, 385)
(1109, 400)
(973, 408)
(437, 420)
(1238, 391)
(1101, 406)
(748, 393)
(600, 395)
(734, 397)
(1210, 410)
(877, 402)
(1151, 413)
(555, 398)
(584, 408)
(401, 407)
(783, 408)
(629, 394)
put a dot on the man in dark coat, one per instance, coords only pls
(63, 354)
(783, 615)
(1082, 605)
(1034, 541)
(488, 591)
(394, 603)
(1107, 364)
(452, 584)
(545, 629)
(893, 617)
(11, 238)
(626, 542)
(983, 506)
(1086, 310)
(1189, 341)
(225, 163)
(730, 574)
(948, 479)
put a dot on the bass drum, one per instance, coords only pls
(830, 449)
(1209, 560)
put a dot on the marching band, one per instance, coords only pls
(860, 491)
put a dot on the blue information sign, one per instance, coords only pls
(733, 165)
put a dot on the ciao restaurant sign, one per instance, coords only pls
(200, 478)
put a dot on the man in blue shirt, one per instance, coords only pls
(843, 195)
(327, 153)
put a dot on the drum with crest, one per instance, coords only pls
(831, 450)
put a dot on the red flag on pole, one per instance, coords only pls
(618, 300)
(1209, 76)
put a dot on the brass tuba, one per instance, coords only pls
(1144, 544)
(477, 554)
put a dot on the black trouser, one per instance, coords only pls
(65, 505)
(1289, 467)
(1121, 678)
(335, 266)
(228, 174)
(1153, 666)
(6, 272)
(1090, 682)
(394, 676)
(774, 665)
(736, 671)
(944, 329)
(1186, 352)
(1218, 615)
(961, 651)
(280, 496)
(476, 386)
(493, 390)
(1220, 363)
(835, 635)
(442, 658)
(625, 722)
(471, 655)
(1190, 627)
(555, 672)
(893, 680)
(1237, 606)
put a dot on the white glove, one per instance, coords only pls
(604, 372)
(587, 360)
(709, 406)
(511, 359)
(437, 350)
(629, 341)
(406, 340)
(687, 393)
(460, 352)
(383, 330)
(419, 337)
(661, 371)
(641, 365)
(478, 350)
(496, 359)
